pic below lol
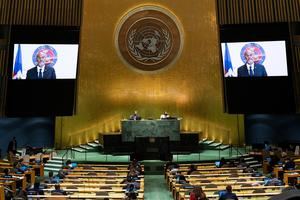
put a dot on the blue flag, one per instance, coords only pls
(227, 61)
(18, 64)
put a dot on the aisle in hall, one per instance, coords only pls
(156, 188)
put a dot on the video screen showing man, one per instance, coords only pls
(45, 61)
(254, 59)
(42, 70)
(251, 68)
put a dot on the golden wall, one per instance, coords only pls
(109, 91)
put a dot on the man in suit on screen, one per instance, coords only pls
(250, 68)
(42, 70)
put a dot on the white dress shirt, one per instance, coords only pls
(42, 68)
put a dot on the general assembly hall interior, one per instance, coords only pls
(150, 99)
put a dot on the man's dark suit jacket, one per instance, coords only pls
(259, 70)
(12, 147)
(49, 73)
(135, 117)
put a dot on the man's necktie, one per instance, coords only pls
(251, 71)
(40, 76)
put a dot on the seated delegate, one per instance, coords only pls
(165, 115)
(135, 116)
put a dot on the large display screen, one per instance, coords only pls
(254, 59)
(45, 61)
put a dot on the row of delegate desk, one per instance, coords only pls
(28, 177)
(288, 176)
(213, 179)
(94, 182)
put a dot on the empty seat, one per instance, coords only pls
(205, 181)
(259, 191)
(246, 185)
(71, 187)
(211, 186)
(102, 193)
(234, 175)
(88, 167)
(105, 188)
(110, 182)
(111, 173)
(112, 168)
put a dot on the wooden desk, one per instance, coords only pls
(277, 170)
(240, 195)
(224, 183)
(197, 164)
(102, 165)
(242, 174)
(207, 168)
(39, 169)
(21, 179)
(87, 185)
(288, 175)
(266, 167)
(100, 170)
(4, 164)
(2, 196)
(247, 178)
(31, 169)
(83, 196)
(31, 174)
(98, 174)
(10, 184)
(202, 172)
(43, 158)
(95, 180)
(89, 190)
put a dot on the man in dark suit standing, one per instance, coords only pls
(250, 68)
(12, 146)
(41, 70)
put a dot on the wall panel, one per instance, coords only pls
(41, 12)
(109, 91)
(257, 11)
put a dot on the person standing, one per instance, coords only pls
(12, 146)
